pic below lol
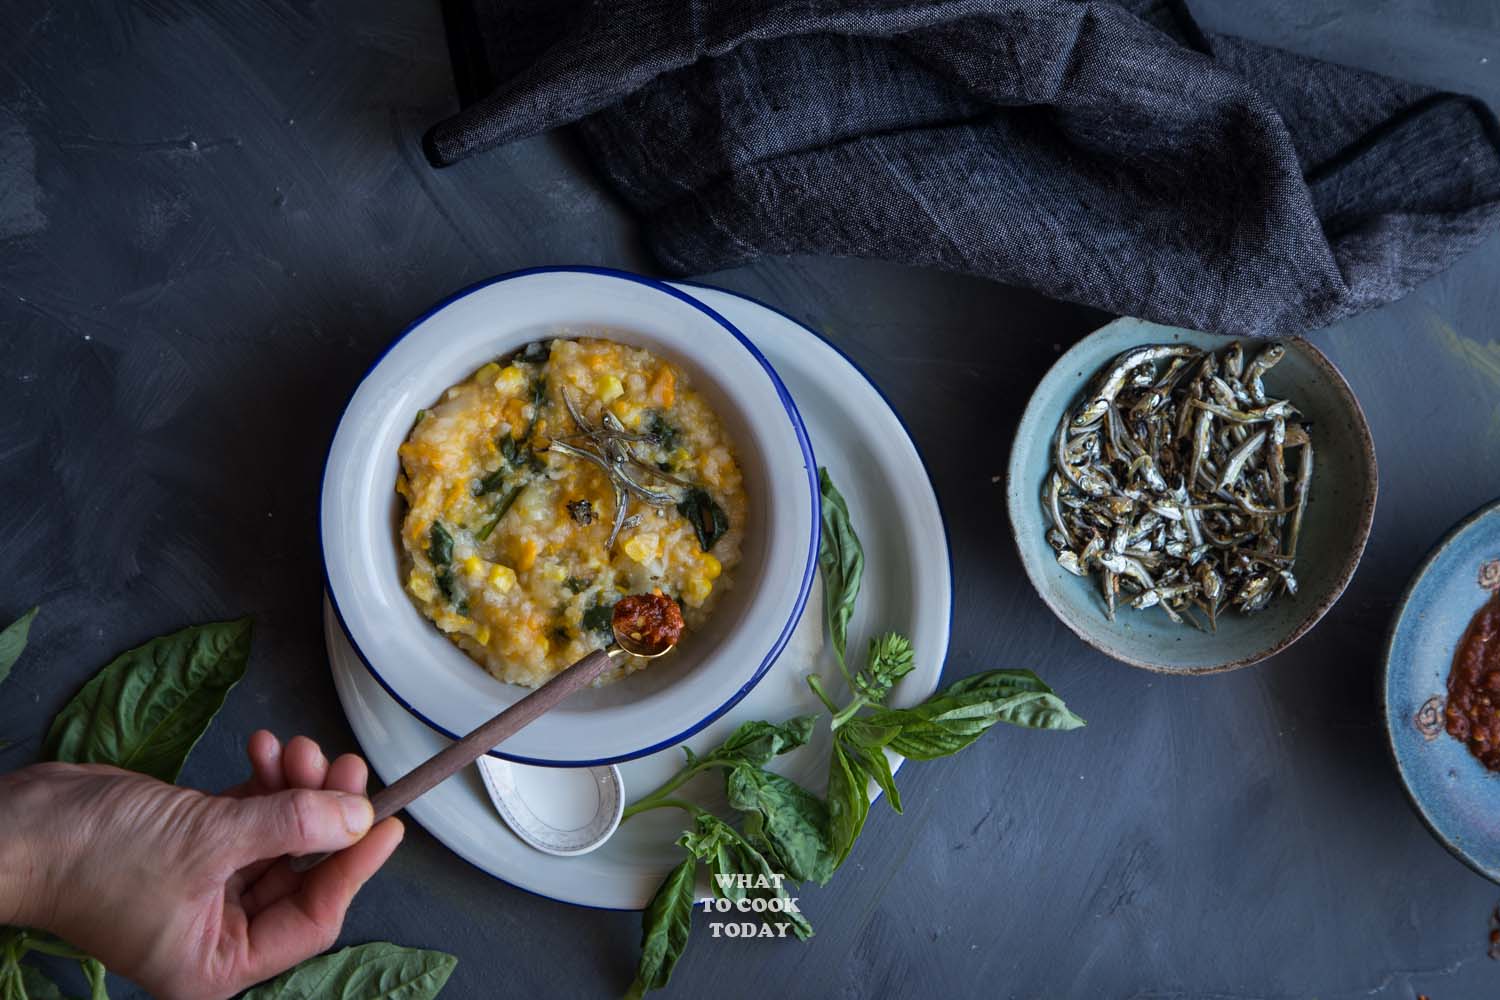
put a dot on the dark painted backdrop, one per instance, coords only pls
(214, 214)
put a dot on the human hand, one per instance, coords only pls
(188, 894)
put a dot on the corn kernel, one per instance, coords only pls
(553, 572)
(482, 635)
(473, 565)
(711, 567)
(487, 373)
(502, 578)
(697, 590)
(420, 585)
(628, 412)
(643, 546)
(525, 554)
(609, 388)
(511, 379)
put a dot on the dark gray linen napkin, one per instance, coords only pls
(1105, 153)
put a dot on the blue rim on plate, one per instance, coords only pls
(1456, 798)
(860, 371)
(937, 501)
(809, 462)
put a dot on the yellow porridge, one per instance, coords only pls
(545, 487)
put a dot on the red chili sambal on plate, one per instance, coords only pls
(1472, 715)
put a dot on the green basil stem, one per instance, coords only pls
(661, 795)
(840, 715)
(652, 802)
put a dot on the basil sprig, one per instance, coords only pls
(785, 832)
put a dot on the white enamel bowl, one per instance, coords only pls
(715, 667)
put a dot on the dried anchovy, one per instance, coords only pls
(1174, 486)
(611, 452)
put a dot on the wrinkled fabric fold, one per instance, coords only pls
(1104, 153)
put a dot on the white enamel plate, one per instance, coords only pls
(907, 587)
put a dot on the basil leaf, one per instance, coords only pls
(891, 658)
(491, 482)
(841, 560)
(147, 709)
(26, 982)
(729, 854)
(375, 971)
(13, 641)
(662, 431)
(501, 508)
(872, 760)
(705, 515)
(954, 718)
(600, 620)
(707, 838)
(755, 743)
(784, 819)
(14, 982)
(515, 456)
(848, 803)
(664, 929)
(861, 732)
(440, 551)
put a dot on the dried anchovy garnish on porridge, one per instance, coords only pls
(1171, 482)
(546, 486)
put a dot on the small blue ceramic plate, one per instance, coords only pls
(1455, 795)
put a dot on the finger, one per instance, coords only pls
(347, 774)
(276, 882)
(268, 882)
(264, 750)
(301, 925)
(295, 821)
(303, 764)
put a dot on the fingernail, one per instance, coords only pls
(358, 814)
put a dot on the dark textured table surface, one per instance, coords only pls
(212, 217)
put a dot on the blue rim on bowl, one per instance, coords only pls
(360, 721)
(1452, 793)
(808, 569)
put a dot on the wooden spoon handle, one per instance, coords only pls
(457, 756)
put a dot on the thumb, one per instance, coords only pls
(297, 821)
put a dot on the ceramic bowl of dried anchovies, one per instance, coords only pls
(1188, 503)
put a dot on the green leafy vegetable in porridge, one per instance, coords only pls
(784, 833)
(707, 517)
